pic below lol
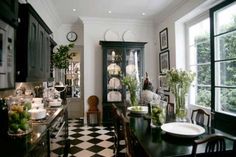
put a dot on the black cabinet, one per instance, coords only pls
(32, 46)
(9, 11)
(119, 58)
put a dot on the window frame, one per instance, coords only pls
(220, 118)
(188, 24)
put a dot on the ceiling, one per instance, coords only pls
(128, 9)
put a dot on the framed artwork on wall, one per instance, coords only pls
(163, 83)
(163, 39)
(164, 61)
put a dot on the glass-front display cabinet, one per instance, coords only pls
(119, 59)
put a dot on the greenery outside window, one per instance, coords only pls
(224, 36)
(199, 57)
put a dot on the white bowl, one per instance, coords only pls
(37, 113)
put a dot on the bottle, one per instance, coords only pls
(147, 85)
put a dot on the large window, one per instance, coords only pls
(224, 60)
(198, 56)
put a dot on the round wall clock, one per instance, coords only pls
(71, 36)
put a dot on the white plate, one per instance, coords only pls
(111, 36)
(142, 109)
(113, 96)
(114, 83)
(129, 36)
(183, 129)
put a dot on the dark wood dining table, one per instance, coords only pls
(157, 143)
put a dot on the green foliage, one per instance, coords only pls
(179, 82)
(204, 97)
(131, 83)
(61, 57)
(179, 79)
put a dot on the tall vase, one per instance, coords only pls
(133, 98)
(60, 75)
(181, 111)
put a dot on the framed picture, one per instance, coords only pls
(163, 83)
(164, 61)
(166, 98)
(163, 39)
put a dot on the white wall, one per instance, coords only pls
(94, 30)
(65, 28)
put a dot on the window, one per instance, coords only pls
(198, 56)
(224, 60)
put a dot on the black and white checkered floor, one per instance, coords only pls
(90, 141)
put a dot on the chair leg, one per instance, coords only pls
(115, 150)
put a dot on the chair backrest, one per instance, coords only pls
(215, 146)
(93, 102)
(170, 111)
(200, 115)
(129, 138)
(116, 118)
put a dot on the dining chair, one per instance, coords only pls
(129, 139)
(215, 146)
(198, 117)
(118, 129)
(133, 147)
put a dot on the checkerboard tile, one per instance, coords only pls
(90, 141)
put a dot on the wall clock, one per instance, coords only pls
(71, 36)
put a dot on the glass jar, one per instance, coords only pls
(19, 119)
(158, 112)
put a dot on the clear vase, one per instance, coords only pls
(158, 113)
(181, 111)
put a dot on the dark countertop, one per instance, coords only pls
(20, 146)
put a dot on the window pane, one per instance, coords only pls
(204, 96)
(199, 61)
(204, 74)
(225, 46)
(225, 74)
(203, 51)
(227, 100)
(225, 19)
(199, 32)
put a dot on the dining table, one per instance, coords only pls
(158, 143)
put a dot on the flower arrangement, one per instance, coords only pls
(179, 82)
(132, 86)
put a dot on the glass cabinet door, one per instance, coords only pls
(133, 63)
(133, 66)
(114, 72)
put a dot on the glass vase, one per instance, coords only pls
(181, 111)
(158, 113)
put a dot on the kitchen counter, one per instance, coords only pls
(25, 145)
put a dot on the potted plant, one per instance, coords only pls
(61, 57)
(179, 82)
